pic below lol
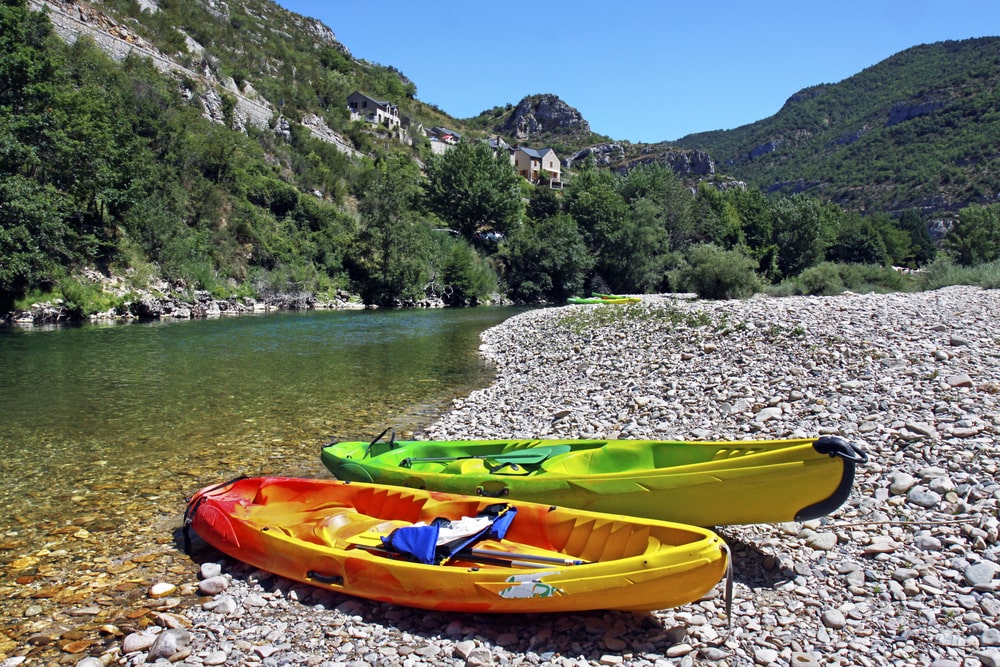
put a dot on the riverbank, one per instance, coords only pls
(905, 573)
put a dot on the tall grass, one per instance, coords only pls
(945, 273)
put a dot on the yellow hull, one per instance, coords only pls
(327, 533)
(700, 483)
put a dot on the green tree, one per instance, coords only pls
(463, 276)
(474, 189)
(543, 203)
(672, 202)
(975, 236)
(857, 241)
(802, 230)
(922, 248)
(546, 260)
(392, 249)
(756, 215)
(600, 212)
(633, 257)
(720, 219)
(33, 235)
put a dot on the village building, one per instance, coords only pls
(535, 165)
(373, 111)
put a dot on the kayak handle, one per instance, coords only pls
(392, 441)
(837, 446)
(332, 579)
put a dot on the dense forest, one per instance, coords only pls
(113, 166)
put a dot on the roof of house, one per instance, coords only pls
(442, 131)
(535, 153)
(381, 103)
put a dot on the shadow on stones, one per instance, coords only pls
(752, 567)
(585, 635)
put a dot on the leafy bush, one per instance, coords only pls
(830, 278)
(943, 272)
(823, 279)
(86, 298)
(462, 275)
(714, 273)
(975, 237)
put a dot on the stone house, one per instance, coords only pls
(534, 164)
(373, 111)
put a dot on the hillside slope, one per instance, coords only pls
(919, 130)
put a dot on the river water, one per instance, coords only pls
(105, 430)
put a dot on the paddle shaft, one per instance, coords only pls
(530, 455)
(494, 557)
(512, 456)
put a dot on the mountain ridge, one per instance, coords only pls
(821, 136)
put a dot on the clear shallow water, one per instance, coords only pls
(119, 423)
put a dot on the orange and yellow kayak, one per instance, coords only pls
(358, 539)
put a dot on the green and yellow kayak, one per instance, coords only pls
(700, 483)
(603, 298)
(455, 553)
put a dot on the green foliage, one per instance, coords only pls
(83, 298)
(463, 276)
(714, 273)
(542, 203)
(975, 236)
(801, 232)
(918, 128)
(921, 247)
(672, 203)
(593, 200)
(857, 241)
(33, 234)
(719, 218)
(943, 272)
(546, 260)
(830, 278)
(388, 255)
(474, 189)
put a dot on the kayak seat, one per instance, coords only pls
(351, 527)
(601, 460)
(465, 466)
(574, 463)
(622, 457)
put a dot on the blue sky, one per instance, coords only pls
(641, 70)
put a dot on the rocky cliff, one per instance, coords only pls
(543, 114)
(72, 18)
(622, 157)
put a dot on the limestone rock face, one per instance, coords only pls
(683, 161)
(543, 113)
(603, 154)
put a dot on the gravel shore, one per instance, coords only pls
(905, 573)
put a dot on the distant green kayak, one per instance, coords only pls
(603, 298)
(700, 483)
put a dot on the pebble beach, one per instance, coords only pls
(906, 572)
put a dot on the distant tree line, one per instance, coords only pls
(107, 165)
